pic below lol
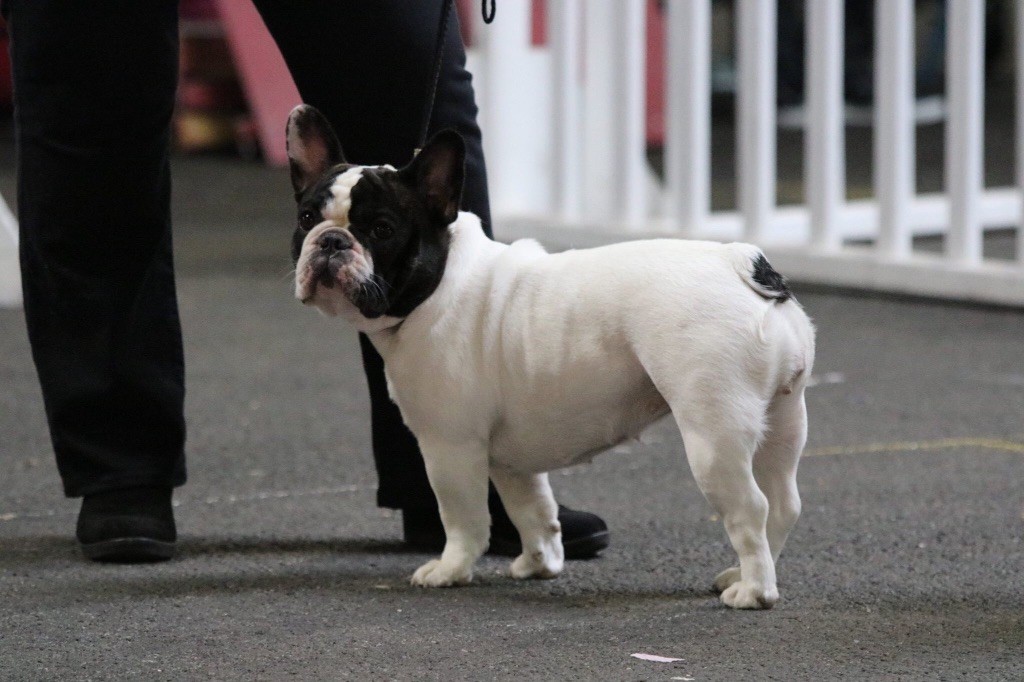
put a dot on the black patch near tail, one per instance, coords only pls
(770, 280)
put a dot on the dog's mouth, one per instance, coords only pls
(345, 273)
(325, 271)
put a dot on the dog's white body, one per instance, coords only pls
(522, 362)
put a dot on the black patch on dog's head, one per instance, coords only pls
(765, 275)
(399, 217)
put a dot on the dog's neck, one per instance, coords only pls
(464, 259)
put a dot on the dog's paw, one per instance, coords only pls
(437, 573)
(747, 595)
(537, 564)
(727, 578)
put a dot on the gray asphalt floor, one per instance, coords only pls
(908, 562)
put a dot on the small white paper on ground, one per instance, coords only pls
(655, 658)
(826, 379)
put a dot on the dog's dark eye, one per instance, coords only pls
(382, 231)
(307, 220)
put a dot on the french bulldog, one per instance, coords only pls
(508, 362)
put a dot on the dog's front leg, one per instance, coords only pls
(458, 475)
(532, 508)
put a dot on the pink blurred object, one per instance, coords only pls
(265, 78)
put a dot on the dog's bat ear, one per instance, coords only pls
(438, 173)
(312, 147)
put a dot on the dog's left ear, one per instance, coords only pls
(438, 173)
(312, 147)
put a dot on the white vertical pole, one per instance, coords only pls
(629, 137)
(756, 135)
(894, 124)
(8, 223)
(515, 114)
(1019, 68)
(825, 153)
(600, 196)
(688, 115)
(10, 273)
(965, 69)
(564, 38)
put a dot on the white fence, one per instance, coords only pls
(564, 135)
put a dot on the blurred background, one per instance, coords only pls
(234, 94)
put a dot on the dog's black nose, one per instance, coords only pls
(333, 242)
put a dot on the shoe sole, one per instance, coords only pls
(586, 547)
(129, 550)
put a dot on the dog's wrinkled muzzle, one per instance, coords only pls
(332, 252)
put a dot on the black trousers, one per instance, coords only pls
(94, 92)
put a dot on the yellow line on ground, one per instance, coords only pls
(913, 446)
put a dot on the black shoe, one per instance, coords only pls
(128, 526)
(583, 534)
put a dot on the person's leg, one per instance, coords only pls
(94, 91)
(367, 66)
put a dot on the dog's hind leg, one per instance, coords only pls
(720, 451)
(775, 465)
(531, 506)
(458, 475)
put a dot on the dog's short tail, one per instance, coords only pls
(754, 269)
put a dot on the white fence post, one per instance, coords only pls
(965, 69)
(10, 272)
(565, 17)
(515, 111)
(598, 157)
(756, 33)
(894, 124)
(688, 115)
(824, 141)
(629, 102)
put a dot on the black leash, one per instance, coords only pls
(442, 34)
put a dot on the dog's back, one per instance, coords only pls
(594, 343)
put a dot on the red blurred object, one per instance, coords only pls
(539, 23)
(212, 113)
(6, 87)
(197, 10)
(224, 96)
(655, 74)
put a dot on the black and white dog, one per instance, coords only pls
(508, 362)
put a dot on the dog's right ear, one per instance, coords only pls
(312, 147)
